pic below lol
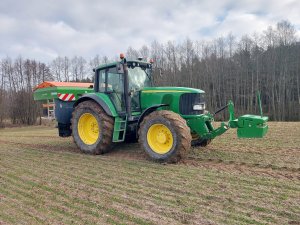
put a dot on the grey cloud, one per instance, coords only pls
(45, 29)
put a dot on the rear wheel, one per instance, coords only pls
(165, 136)
(92, 128)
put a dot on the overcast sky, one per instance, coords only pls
(45, 29)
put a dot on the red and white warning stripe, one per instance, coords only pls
(66, 97)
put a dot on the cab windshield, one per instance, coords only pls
(139, 77)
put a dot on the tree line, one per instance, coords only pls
(226, 68)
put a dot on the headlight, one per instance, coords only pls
(199, 107)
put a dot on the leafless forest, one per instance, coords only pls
(226, 68)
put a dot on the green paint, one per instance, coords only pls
(108, 102)
(252, 126)
(164, 95)
(119, 129)
(51, 92)
(248, 126)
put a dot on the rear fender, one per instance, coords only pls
(109, 111)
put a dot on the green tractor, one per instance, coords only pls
(165, 120)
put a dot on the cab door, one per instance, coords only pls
(112, 83)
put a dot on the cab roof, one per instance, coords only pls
(107, 65)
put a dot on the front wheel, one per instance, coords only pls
(165, 136)
(198, 141)
(92, 128)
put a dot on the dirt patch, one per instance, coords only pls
(130, 151)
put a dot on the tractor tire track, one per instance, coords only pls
(215, 164)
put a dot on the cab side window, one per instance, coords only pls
(102, 81)
(115, 81)
(112, 83)
(115, 88)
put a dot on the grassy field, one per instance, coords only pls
(45, 179)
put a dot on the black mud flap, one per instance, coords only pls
(64, 130)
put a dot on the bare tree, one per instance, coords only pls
(226, 68)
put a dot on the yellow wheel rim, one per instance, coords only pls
(88, 128)
(160, 138)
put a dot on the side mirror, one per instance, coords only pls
(120, 68)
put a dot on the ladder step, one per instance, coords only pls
(119, 129)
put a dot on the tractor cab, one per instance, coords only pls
(123, 82)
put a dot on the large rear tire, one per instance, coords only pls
(92, 128)
(165, 136)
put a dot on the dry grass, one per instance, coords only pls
(44, 179)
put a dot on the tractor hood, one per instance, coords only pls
(170, 96)
(171, 90)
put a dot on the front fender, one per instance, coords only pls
(147, 112)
